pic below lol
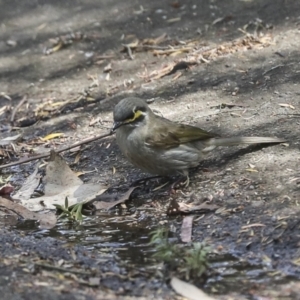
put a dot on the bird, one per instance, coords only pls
(163, 147)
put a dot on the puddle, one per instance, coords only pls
(122, 239)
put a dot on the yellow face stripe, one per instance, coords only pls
(137, 114)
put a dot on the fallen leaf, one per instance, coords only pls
(77, 158)
(9, 140)
(46, 220)
(173, 20)
(287, 105)
(52, 136)
(188, 290)
(186, 229)
(222, 19)
(177, 208)
(61, 182)
(6, 189)
(182, 65)
(109, 201)
(251, 170)
(108, 68)
(157, 40)
(94, 281)
(253, 225)
(28, 187)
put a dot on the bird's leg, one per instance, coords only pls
(185, 183)
(144, 180)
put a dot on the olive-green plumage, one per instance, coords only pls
(159, 146)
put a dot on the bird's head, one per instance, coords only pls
(131, 112)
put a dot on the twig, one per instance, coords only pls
(44, 155)
(287, 115)
(128, 51)
(23, 100)
(65, 270)
(219, 111)
(170, 51)
(276, 67)
(154, 47)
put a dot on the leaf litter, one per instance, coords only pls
(61, 182)
(187, 290)
(46, 220)
(190, 52)
(62, 189)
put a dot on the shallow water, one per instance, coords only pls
(121, 238)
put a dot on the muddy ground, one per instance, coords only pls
(257, 188)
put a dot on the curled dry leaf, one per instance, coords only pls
(46, 220)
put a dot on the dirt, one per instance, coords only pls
(256, 188)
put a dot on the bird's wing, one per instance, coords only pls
(169, 134)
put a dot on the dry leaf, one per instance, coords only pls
(9, 140)
(77, 158)
(61, 182)
(287, 105)
(188, 290)
(6, 189)
(108, 68)
(189, 208)
(186, 229)
(222, 19)
(253, 225)
(46, 220)
(173, 20)
(109, 201)
(28, 187)
(52, 136)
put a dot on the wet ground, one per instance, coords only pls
(255, 230)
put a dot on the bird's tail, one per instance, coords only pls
(216, 142)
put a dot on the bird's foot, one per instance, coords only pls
(144, 180)
(179, 183)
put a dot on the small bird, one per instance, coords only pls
(159, 146)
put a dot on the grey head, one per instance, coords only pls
(130, 111)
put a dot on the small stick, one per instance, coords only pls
(44, 155)
(23, 100)
(276, 67)
(128, 51)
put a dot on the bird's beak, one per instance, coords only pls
(116, 125)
